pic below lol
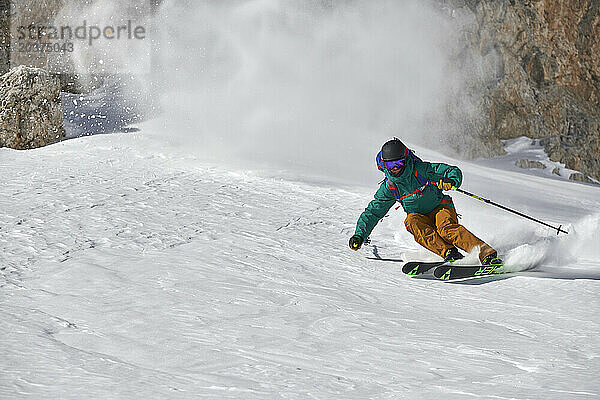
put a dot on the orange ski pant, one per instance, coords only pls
(439, 231)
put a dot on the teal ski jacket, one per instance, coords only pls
(408, 189)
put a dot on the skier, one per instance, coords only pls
(431, 217)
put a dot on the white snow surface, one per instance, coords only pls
(129, 271)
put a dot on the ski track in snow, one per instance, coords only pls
(130, 274)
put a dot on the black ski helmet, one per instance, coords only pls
(393, 150)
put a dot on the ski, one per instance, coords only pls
(451, 272)
(418, 267)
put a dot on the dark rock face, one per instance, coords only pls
(556, 171)
(4, 36)
(545, 81)
(579, 177)
(530, 164)
(31, 112)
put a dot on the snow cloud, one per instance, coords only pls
(559, 250)
(315, 86)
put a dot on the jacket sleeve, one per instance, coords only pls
(436, 171)
(376, 210)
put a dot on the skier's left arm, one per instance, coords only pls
(440, 171)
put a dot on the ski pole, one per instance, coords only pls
(558, 230)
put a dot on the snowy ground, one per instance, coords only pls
(130, 273)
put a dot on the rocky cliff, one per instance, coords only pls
(4, 36)
(31, 112)
(541, 63)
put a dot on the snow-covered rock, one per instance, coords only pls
(524, 163)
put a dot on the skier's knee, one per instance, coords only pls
(414, 222)
(448, 231)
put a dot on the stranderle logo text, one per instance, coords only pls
(82, 32)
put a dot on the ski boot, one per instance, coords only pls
(492, 259)
(452, 254)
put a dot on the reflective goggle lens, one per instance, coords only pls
(392, 164)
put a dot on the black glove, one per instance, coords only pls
(355, 242)
(446, 184)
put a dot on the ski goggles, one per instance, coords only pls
(396, 163)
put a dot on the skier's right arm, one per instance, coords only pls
(376, 210)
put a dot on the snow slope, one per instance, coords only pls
(132, 272)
